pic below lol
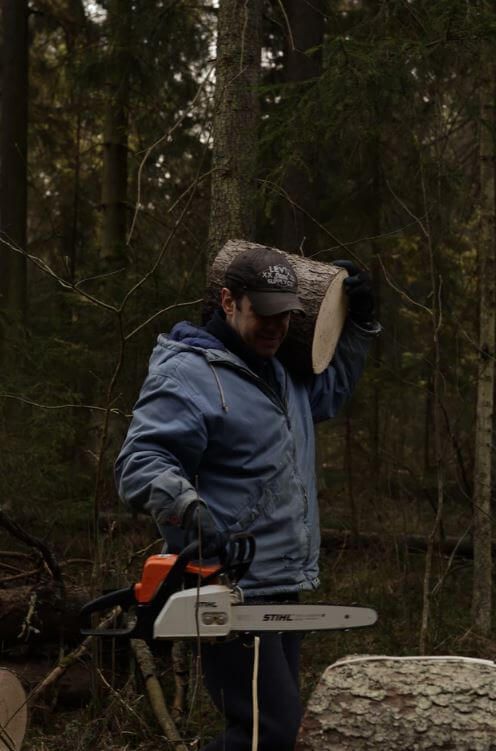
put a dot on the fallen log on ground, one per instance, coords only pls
(397, 703)
(40, 612)
(73, 689)
(335, 538)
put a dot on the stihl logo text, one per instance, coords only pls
(277, 617)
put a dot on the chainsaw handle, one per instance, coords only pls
(124, 598)
(237, 556)
(235, 560)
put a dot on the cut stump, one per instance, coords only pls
(312, 338)
(415, 703)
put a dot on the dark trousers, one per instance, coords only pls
(228, 670)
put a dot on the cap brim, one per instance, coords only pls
(273, 303)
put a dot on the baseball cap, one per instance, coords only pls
(268, 280)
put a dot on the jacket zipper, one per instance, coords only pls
(274, 397)
(262, 385)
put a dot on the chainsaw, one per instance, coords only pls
(180, 598)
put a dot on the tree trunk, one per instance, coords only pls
(233, 193)
(393, 703)
(13, 184)
(303, 62)
(482, 595)
(312, 338)
(115, 138)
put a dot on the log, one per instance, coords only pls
(72, 690)
(13, 711)
(39, 612)
(332, 539)
(373, 703)
(312, 338)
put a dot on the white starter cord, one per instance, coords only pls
(254, 693)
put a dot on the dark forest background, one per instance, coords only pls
(374, 140)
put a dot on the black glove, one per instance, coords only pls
(358, 287)
(199, 525)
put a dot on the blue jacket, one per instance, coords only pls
(206, 425)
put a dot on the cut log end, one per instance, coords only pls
(329, 323)
(13, 711)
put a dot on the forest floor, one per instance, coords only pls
(114, 713)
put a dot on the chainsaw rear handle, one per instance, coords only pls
(235, 560)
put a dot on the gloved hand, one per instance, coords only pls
(358, 287)
(199, 525)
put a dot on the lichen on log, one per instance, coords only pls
(393, 703)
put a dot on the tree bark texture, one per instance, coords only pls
(312, 338)
(39, 613)
(302, 63)
(236, 109)
(482, 595)
(13, 182)
(115, 138)
(395, 704)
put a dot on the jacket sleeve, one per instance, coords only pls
(156, 467)
(328, 391)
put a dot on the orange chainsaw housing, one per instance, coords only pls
(157, 568)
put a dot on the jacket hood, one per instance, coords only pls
(186, 337)
(194, 336)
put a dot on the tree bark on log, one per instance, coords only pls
(39, 612)
(312, 339)
(395, 703)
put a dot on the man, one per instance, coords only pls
(221, 442)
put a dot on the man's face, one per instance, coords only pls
(264, 334)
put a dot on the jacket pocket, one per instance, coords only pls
(250, 513)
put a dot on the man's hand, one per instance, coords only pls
(358, 287)
(199, 525)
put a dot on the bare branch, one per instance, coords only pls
(91, 407)
(284, 194)
(43, 265)
(400, 291)
(159, 313)
(33, 542)
(408, 211)
(154, 146)
(288, 26)
(166, 244)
